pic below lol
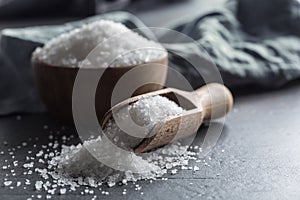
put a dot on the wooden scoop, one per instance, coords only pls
(208, 102)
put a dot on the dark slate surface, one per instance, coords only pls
(261, 158)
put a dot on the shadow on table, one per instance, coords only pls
(207, 138)
(257, 89)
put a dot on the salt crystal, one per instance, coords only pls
(55, 145)
(63, 191)
(38, 185)
(28, 165)
(7, 183)
(15, 163)
(27, 182)
(196, 168)
(169, 165)
(52, 191)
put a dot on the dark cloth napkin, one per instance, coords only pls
(252, 42)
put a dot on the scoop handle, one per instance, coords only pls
(216, 100)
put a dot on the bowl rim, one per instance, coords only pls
(34, 59)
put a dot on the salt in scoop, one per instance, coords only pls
(208, 102)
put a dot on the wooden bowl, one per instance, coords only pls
(55, 85)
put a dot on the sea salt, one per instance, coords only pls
(196, 168)
(19, 184)
(63, 191)
(77, 160)
(118, 46)
(38, 185)
(80, 166)
(28, 165)
(7, 183)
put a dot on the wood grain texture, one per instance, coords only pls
(55, 85)
(208, 102)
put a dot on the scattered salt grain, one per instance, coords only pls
(63, 191)
(75, 167)
(38, 185)
(28, 165)
(196, 168)
(7, 183)
(40, 153)
(27, 182)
